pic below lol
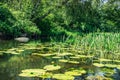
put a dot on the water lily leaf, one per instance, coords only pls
(110, 65)
(51, 67)
(63, 77)
(108, 72)
(47, 75)
(98, 65)
(118, 67)
(75, 72)
(56, 57)
(32, 72)
(11, 52)
(105, 60)
(84, 56)
(118, 61)
(64, 54)
(43, 55)
(63, 60)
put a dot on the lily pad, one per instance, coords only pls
(63, 60)
(98, 65)
(43, 55)
(32, 73)
(63, 77)
(47, 75)
(64, 54)
(118, 61)
(75, 72)
(110, 65)
(118, 67)
(56, 57)
(11, 52)
(107, 60)
(84, 56)
(52, 67)
(108, 72)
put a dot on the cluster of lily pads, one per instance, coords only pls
(63, 55)
(48, 72)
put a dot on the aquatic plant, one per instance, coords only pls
(63, 77)
(51, 67)
(98, 65)
(97, 77)
(32, 73)
(73, 62)
(75, 72)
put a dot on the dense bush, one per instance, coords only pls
(11, 27)
(58, 19)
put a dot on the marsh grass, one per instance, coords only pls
(103, 45)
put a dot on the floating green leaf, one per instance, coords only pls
(64, 54)
(75, 72)
(51, 67)
(98, 65)
(44, 55)
(63, 77)
(32, 72)
(63, 60)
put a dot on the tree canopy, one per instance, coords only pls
(46, 18)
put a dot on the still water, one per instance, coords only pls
(11, 65)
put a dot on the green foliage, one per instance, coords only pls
(14, 25)
(59, 18)
(27, 27)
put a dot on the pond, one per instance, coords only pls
(53, 61)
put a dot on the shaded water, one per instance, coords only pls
(11, 65)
